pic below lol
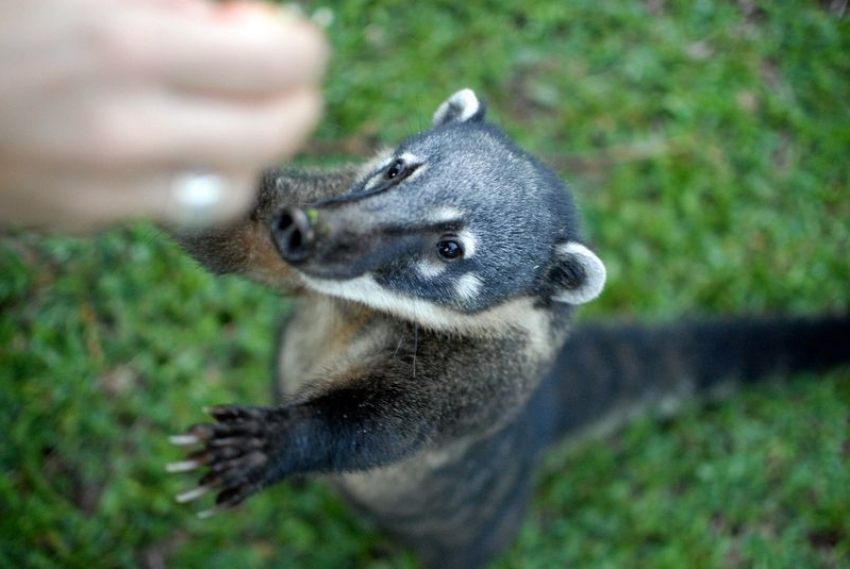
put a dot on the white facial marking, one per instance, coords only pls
(445, 213)
(385, 161)
(519, 313)
(430, 269)
(376, 178)
(409, 158)
(366, 290)
(594, 270)
(469, 242)
(468, 286)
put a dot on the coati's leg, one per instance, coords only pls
(367, 422)
(373, 414)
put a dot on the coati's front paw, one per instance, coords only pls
(236, 451)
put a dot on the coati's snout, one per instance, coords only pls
(332, 241)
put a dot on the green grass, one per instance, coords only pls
(708, 143)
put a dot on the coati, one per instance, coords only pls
(430, 356)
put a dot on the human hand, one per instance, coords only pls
(103, 104)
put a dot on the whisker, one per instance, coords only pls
(415, 342)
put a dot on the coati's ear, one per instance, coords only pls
(463, 106)
(576, 274)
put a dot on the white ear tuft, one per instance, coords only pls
(463, 106)
(578, 274)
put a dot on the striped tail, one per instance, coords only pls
(609, 373)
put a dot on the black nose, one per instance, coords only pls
(293, 235)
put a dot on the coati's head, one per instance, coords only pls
(451, 224)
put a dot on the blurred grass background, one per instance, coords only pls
(708, 143)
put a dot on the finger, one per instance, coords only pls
(253, 54)
(161, 130)
(63, 201)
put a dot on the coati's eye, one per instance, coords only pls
(395, 169)
(449, 249)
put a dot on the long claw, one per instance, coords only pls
(194, 493)
(226, 500)
(204, 514)
(183, 466)
(184, 440)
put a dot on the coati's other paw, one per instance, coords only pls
(235, 451)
